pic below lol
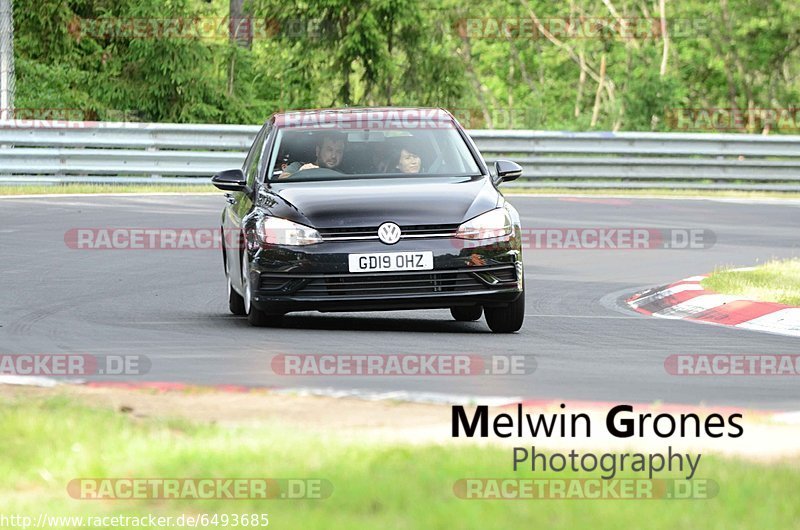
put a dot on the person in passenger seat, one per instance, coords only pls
(406, 160)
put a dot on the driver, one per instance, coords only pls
(329, 151)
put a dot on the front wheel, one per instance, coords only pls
(255, 316)
(235, 300)
(506, 319)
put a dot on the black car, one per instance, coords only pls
(371, 209)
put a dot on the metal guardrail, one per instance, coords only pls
(105, 152)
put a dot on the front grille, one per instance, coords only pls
(329, 233)
(440, 230)
(419, 230)
(394, 284)
(506, 275)
(389, 284)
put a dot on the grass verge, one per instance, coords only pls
(774, 281)
(48, 441)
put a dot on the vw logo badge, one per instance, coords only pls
(389, 233)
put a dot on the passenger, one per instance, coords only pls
(407, 160)
(329, 152)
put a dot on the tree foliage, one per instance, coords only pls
(516, 63)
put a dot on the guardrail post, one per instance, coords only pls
(7, 80)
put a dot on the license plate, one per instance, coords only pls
(391, 261)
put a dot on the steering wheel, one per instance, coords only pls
(318, 172)
(312, 174)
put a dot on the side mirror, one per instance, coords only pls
(230, 180)
(507, 170)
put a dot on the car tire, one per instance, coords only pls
(466, 313)
(235, 300)
(255, 316)
(506, 319)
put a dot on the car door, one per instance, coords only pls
(240, 204)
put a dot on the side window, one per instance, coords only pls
(264, 156)
(254, 156)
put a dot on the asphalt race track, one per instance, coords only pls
(171, 306)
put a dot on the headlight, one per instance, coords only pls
(277, 231)
(492, 224)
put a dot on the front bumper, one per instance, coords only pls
(316, 277)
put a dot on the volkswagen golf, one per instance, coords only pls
(371, 209)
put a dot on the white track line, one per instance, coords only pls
(27, 380)
(665, 293)
(402, 395)
(784, 321)
(695, 305)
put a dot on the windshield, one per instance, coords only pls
(345, 152)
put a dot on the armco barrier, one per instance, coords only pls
(106, 152)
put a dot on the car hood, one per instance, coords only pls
(370, 202)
